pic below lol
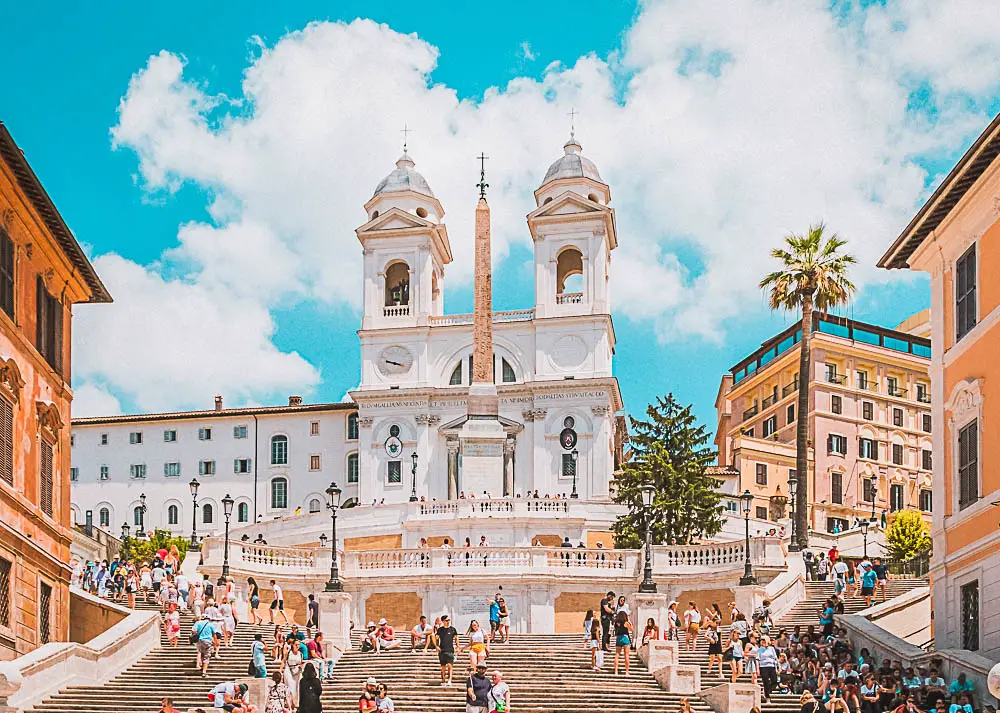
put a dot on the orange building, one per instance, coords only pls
(956, 238)
(43, 272)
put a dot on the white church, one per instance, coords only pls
(404, 436)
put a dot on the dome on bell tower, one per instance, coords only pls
(572, 164)
(404, 178)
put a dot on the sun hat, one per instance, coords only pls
(371, 623)
(371, 681)
(382, 621)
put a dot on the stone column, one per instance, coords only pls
(452, 468)
(508, 467)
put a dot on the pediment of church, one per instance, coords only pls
(568, 203)
(395, 219)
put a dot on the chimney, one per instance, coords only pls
(294, 400)
(218, 403)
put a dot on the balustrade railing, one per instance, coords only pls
(569, 298)
(420, 562)
(266, 556)
(709, 556)
(492, 507)
(516, 315)
(396, 311)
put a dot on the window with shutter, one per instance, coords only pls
(5, 571)
(44, 613)
(6, 273)
(48, 326)
(836, 488)
(6, 441)
(45, 481)
(897, 454)
(968, 465)
(965, 293)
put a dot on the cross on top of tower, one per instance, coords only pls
(405, 131)
(482, 185)
(572, 120)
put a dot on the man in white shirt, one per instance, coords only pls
(278, 603)
(840, 576)
(420, 634)
(181, 582)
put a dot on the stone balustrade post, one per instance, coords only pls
(335, 622)
(749, 598)
(732, 697)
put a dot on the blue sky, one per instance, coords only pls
(705, 177)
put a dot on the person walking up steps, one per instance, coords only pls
(734, 652)
(714, 648)
(203, 636)
(278, 605)
(596, 652)
(446, 636)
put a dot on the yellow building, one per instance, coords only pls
(43, 272)
(956, 238)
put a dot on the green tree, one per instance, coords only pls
(670, 452)
(907, 535)
(813, 275)
(143, 550)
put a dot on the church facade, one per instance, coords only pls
(400, 438)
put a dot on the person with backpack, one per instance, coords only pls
(203, 637)
(762, 615)
(810, 561)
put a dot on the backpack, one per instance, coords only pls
(209, 590)
(760, 613)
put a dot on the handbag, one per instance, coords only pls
(251, 669)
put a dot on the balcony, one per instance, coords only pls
(836, 378)
(769, 401)
(923, 397)
(868, 386)
(794, 386)
(396, 311)
(569, 298)
(750, 412)
(897, 392)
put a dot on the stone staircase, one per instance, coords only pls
(543, 671)
(804, 614)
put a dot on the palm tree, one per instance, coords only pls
(813, 275)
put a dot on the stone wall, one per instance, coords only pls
(704, 598)
(373, 542)
(571, 608)
(89, 619)
(402, 609)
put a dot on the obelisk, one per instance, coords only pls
(482, 437)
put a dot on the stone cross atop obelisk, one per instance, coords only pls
(482, 436)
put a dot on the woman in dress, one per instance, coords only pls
(310, 691)
(673, 623)
(228, 622)
(478, 647)
(623, 639)
(254, 592)
(131, 586)
(750, 664)
(293, 669)
(172, 625)
(145, 581)
(279, 698)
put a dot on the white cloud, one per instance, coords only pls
(94, 400)
(526, 51)
(721, 126)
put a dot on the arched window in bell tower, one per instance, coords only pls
(397, 285)
(569, 276)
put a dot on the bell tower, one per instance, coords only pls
(573, 229)
(406, 247)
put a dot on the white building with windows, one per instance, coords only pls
(398, 437)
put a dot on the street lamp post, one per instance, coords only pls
(333, 503)
(194, 511)
(227, 509)
(413, 471)
(864, 535)
(648, 585)
(793, 486)
(125, 531)
(874, 481)
(747, 579)
(574, 494)
(141, 530)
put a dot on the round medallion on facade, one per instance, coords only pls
(393, 446)
(568, 439)
(569, 352)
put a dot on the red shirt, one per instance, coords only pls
(834, 555)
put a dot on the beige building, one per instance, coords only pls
(869, 421)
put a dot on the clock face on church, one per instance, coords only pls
(394, 360)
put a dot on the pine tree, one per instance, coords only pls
(907, 535)
(669, 451)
